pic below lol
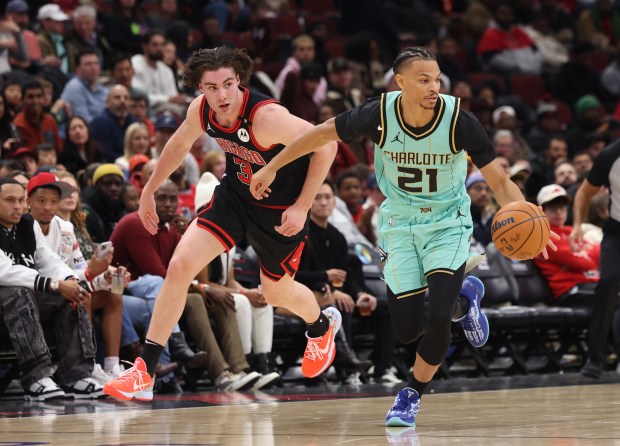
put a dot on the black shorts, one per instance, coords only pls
(231, 219)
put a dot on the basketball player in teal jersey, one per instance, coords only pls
(424, 224)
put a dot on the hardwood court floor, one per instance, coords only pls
(554, 416)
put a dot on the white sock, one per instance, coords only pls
(109, 363)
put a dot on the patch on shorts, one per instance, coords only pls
(384, 256)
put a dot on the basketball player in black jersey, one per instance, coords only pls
(251, 129)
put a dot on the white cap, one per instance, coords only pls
(497, 114)
(204, 189)
(550, 193)
(52, 11)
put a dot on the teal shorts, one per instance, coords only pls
(414, 247)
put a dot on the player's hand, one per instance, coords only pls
(261, 180)
(293, 221)
(575, 239)
(550, 244)
(148, 214)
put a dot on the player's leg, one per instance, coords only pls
(322, 326)
(196, 249)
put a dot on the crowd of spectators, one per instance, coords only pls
(91, 90)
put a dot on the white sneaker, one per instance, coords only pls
(388, 378)
(43, 390)
(353, 379)
(100, 375)
(231, 382)
(85, 388)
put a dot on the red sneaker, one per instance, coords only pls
(132, 383)
(320, 352)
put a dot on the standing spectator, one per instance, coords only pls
(34, 126)
(110, 125)
(51, 38)
(31, 274)
(84, 92)
(80, 148)
(604, 173)
(155, 77)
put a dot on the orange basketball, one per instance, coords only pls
(520, 230)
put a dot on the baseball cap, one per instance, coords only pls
(504, 109)
(137, 160)
(16, 6)
(474, 177)
(22, 151)
(52, 11)
(166, 120)
(550, 193)
(49, 180)
(586, 103)
(338, 64)
(520, 170)
(107, 169)
(204, 189)
(546, 108)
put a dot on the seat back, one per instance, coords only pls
(533, 286)
(494, 272)
(246, 267)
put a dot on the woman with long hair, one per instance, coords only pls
(215, 162)
(137, 141)
(80, 149)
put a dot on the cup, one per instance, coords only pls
(337, 283)
(364, 308)
(118, 283)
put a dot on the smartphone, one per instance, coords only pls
(103, 249)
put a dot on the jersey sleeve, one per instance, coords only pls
(599, 174)
(471, 137)
(363, 120)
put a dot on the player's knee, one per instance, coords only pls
(180, 267)
(407, 333)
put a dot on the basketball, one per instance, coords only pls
(520, 230)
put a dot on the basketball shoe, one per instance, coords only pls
(134, 382)
(320, 352)
(475, 323)
(405, 408)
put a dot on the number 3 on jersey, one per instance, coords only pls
(245, 174)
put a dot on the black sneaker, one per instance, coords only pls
(43, 390)
(85, 388)
(592, 369)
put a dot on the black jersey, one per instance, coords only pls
(244, 155)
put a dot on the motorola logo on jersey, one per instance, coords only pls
(240, 151)
(243, 135)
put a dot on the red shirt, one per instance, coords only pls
(565, 268)
(141, 252)
(32, 134)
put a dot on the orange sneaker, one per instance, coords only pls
(320, 352)
(132, 383)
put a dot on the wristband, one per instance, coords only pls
(242, 291)
(88, 275)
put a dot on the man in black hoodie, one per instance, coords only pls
(35, 286)
(102, 202)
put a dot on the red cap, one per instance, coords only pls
(22, 151)
(136, 161)
(49, 180)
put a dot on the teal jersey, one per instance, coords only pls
(425, 171)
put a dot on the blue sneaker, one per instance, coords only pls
(405, 408)
(475, 323)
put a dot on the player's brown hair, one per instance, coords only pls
(213, 59)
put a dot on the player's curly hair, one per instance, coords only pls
(411, 53)
(215, 58)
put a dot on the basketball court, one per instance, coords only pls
(529, 410)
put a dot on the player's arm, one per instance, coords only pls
(177, 147)
(504, 189)
(276, 125)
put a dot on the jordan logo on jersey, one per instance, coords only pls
(397, 138)
(209, 129)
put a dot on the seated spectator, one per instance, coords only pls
(547, 124)
(345, 157)
(543, 165)
(147, 255)
(51, 37)
(102, 202)
(27, 160)
(85, 37)
(565, 174)
(139, 108)
(80, 148)
(34, 126)
(130, 197)
(45, 155)
(24, 255)
(582, 162)
(84, 93)
(215, 162)
(326, 268)
(482, 207)
(340, 84)
(136, 141)
(370, 208)
(299, 89)
(187, 193)
(45, 191)
(109, 126)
